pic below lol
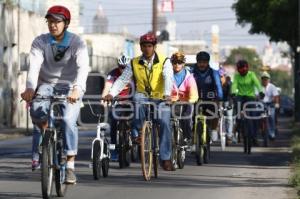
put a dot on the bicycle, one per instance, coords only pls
(149, 147)
(201, 139)
(100, 152)
(123, 140)
(51, 149)
(245, 125)
(178, 147)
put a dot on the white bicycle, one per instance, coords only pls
(100, 152)
(221, 126)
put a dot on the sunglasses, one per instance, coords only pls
(177, 62)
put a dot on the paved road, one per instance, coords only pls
(230, 174)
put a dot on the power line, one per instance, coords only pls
(146, 9)
(182, 21)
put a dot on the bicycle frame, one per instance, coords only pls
(101, 138)
(101, 129)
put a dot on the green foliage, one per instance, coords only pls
(294, 180)
(275, 18)
(247, 54)
(283, 80)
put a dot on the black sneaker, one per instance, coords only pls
(35, 165)
(136, 140)
(71, 177)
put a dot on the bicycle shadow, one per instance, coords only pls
(183, 181)
(16, 195)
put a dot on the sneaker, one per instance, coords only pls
(187, 142)
(167, 165)
(114, 156)
(136, 140)
(234, 140)
(71, 177)
(271, 138)
(214, 135)
(229, 140)
(35, 164)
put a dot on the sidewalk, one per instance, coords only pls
(10, 133)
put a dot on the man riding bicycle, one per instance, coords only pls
(209, 89)
(59, 64)
(184, 90)
(244, 87)
(112, 76)
(271, 99)
(152, 75)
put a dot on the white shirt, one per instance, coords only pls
(270, 92)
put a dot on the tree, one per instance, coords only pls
(283, 80)
(247, 54)
(278, 19)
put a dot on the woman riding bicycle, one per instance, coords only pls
(184, 90)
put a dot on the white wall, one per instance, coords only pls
(16, 39)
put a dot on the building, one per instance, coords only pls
(100, 21)
(273, 57)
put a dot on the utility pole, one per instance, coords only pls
(154, 16)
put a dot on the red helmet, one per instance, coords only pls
(59, 12)
(242, 67)
(148, 38)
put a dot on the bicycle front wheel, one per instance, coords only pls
(199, 144)
(174, 155)
(123, 145)
(97, 165)
(155, 146)
(47, 165)
(60, 173)
(146, 150)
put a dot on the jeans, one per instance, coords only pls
(36, 140)
(271, 121)
(164, 117)
(39, 113)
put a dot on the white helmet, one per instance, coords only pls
(123, 61)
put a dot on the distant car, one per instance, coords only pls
(287, 106)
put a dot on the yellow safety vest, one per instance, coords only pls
(149, 80)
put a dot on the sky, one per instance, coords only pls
(194, 19)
